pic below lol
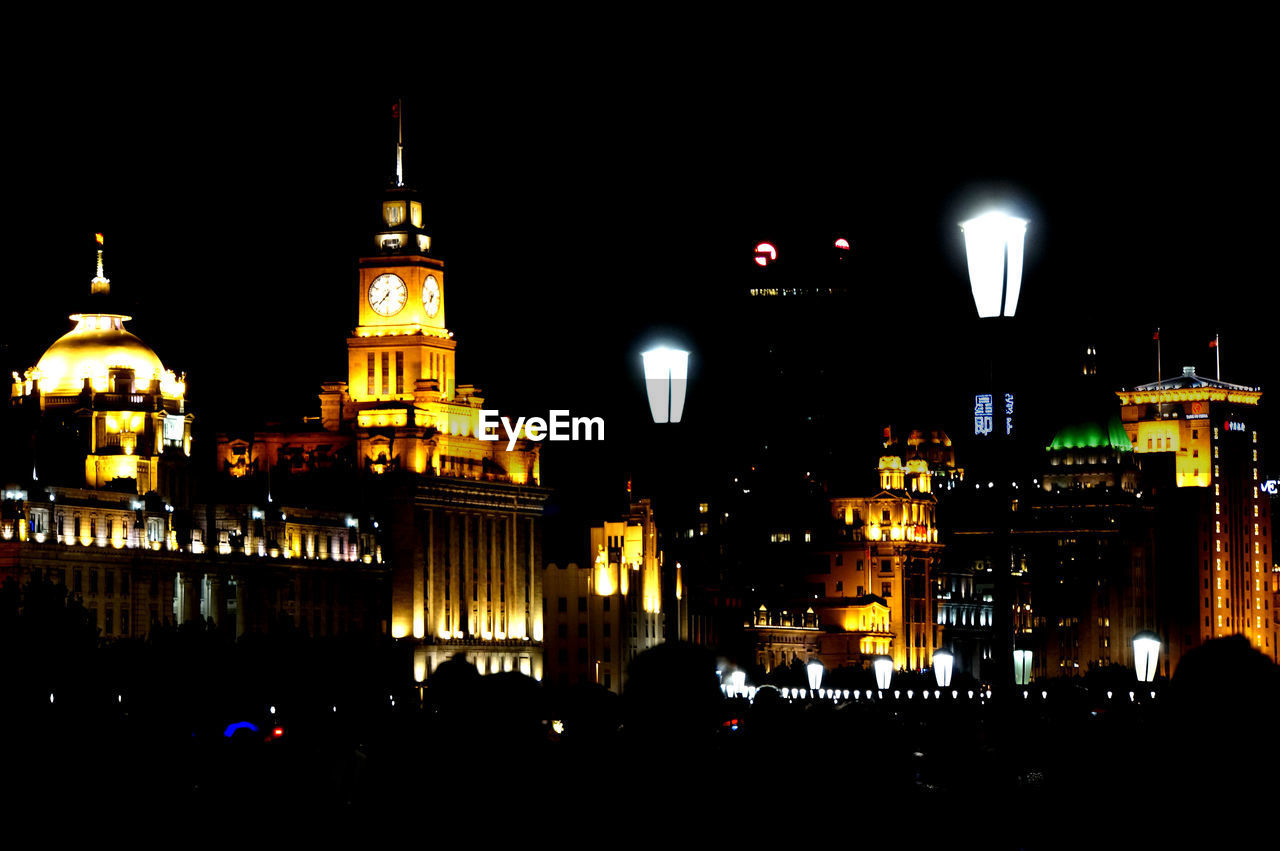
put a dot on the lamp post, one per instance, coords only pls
(942, 665)
(994, 253)
(666, 375)
(883, 666)
(1146, 655)
(993, 245)
(1021, 667)
(666, 378)
(814, 670)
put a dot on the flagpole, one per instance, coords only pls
(1217, 353)
(1159, 370)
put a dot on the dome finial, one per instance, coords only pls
(101, 284)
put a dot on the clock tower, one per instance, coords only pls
(401, 339)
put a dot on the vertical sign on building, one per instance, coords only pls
(1008, 414)
(983, 414)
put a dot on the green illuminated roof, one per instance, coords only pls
(1091, 435)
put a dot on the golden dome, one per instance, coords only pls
(97, 344)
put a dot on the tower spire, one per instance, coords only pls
(101, 284)
(399, 115)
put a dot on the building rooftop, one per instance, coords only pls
(1189, 379)
(1093, 434)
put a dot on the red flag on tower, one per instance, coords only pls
(1213, 344)
(1156, 335)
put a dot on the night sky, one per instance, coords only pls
(580, 216)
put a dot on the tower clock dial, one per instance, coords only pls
(387, 294)
(431, 295)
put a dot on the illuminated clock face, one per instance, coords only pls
(387, 295)
(431, 295)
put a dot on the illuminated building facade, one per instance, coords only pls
(463, 515)
(101, 504)
(1085, 548)
(102, 401)
(601, 617)
(1201, 448)
(853, 631)
(1146, 515)
(885, 555)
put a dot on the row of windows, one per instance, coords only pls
(562, 630)
(370, 378)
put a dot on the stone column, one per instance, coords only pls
(241, 607)
(190, 608)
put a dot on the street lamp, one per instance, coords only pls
(993, 245)
(666, 374)
(884, 671)
(994, 251)
(1146, 655)
(942, 663)
(814, 669)
(1021, 667)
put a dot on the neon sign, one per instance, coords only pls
(983, 414)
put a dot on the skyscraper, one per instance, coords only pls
(1201, 449)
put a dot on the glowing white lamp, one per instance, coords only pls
(1022, 667)
(815, 670)
(884, 671)
(993, 245)
(738, 681)
(942, 664)
(1146, 655)
(666, 374)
